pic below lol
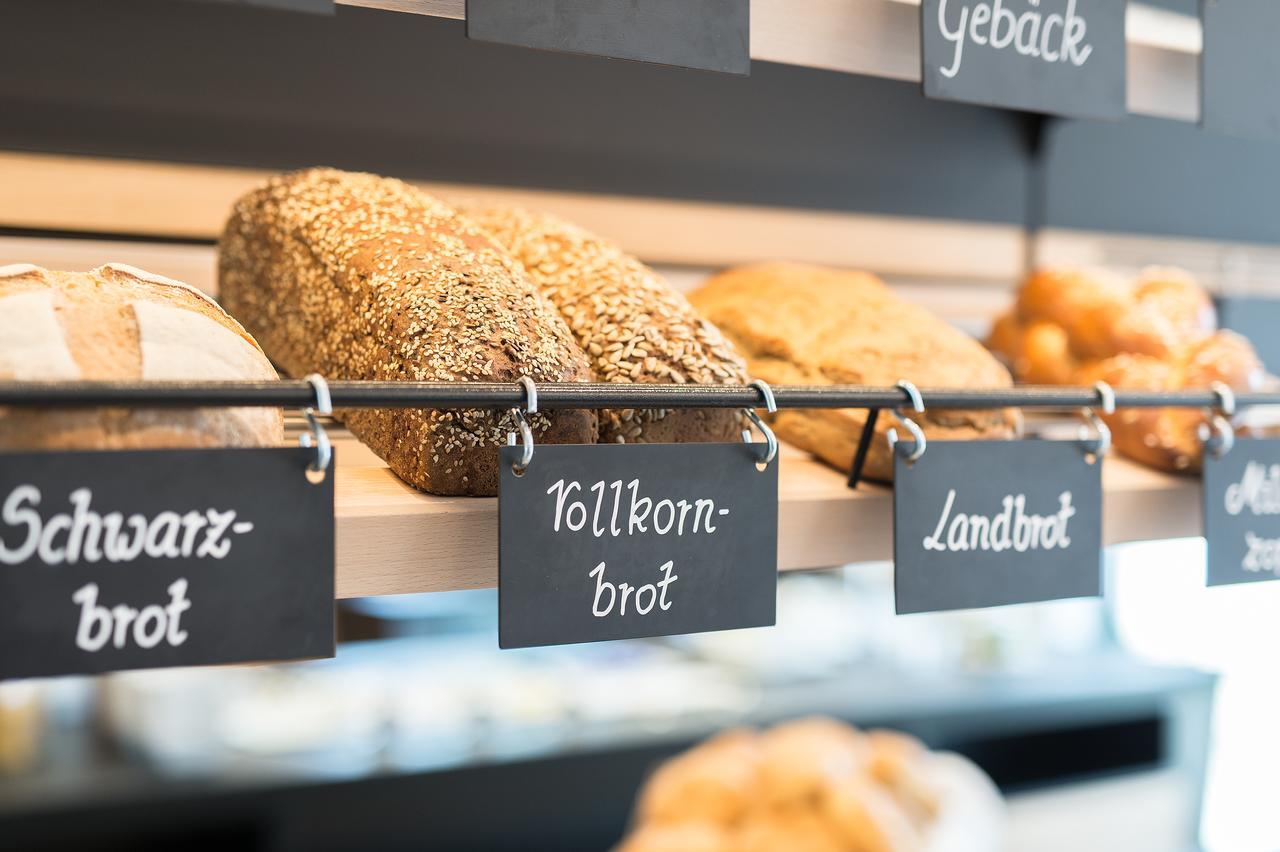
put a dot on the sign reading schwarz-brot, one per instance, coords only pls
(140, 559)
(1055, 56)
(623, 541)
(988, 523)
(1242, 512)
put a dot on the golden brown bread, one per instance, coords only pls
(809, 325)
(813, 784)
(634, 326)
(1154, 332)
(120, 323)
(359, 277)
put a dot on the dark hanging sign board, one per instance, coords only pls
(316, 7)
(1240, 68)
(623, 541)
(1242, 512)
(1257, 318)
(1065, 57)
(142, 559)
(710, 35)
(989, 523)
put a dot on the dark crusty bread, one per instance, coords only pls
(120, 323)
(635, 327)
(808, 325)
(354, 276)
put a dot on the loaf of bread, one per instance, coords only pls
(811, 784)
(1152, 332)
(354, 276)
(633, 325)
(808, 325)
(123, 324)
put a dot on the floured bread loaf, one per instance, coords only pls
(354, 276)
(634, 326)
(120, 323)
(806, 325)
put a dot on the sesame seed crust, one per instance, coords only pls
(355, 276)
(634, 326)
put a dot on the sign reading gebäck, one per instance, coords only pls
(988, 523)
(1065, 57)
(623, 541)
(141, 559)
(1242, 512)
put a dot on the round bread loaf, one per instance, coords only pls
(120, 323)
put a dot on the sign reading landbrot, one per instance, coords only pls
(624, 541)
(1055, 56)
(988, 523)
(141, 559)
(1242, 512)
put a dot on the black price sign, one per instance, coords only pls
(711, 35)
(1239, 67)
(1065, 57)
(989, 523)
(1242, 512)
(623, 541)
(142, 559)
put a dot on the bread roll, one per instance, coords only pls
(813, 326)
(717, 782)
(1153, 332)
(120, 323)
(634, 326)
(359, 277)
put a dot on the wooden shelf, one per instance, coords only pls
(881, 38)
(394, 540)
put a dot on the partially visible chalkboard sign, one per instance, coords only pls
(1065, 57)
(316, 7)
(141, 559)
(622, 541)
(988, 523)
(711, 35)
(1242, 512)
(1257, 318)
(1240, 67)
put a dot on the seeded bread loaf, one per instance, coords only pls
(633, 325)
(359, 277)
(808, 325)
(120, 323)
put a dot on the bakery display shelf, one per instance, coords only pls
(391, 539)
(881, 38)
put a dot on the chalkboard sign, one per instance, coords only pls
(1065, 57)
(316, 7)
(711, 35)
(1257, 318)
(1240, 67)
(988, 523)
(141, 559)
(616, 541)
(1242, 512)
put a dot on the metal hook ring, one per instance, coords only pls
(771, 440)
(1099, 443)
(1219, 439)
(1106, 397)
(316, 436)
(1226, 398)
(913, 395)
(766, 394)
(917, 434)
(530, 394)
(526, 441)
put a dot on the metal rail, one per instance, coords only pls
(360, 394)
